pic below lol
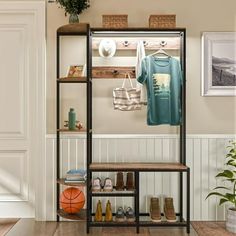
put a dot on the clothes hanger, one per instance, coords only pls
(160, 51)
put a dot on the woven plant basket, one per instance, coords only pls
(115, 21)
(162, 21)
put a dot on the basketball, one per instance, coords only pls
(72, 200)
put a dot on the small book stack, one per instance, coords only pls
(76, 176)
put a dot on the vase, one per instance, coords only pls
(74, 18)
(231, 220)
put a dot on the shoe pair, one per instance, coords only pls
(120, 186)
(108, 215)
(169, 210)
(128, 214)
(97, 185)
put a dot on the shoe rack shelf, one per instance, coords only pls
(141, 219)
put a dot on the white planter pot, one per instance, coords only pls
(231, 220)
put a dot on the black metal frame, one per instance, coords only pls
(137, 224)
(88, 83)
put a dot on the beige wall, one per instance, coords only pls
(205, 115)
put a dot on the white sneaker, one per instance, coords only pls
(108, 186)
(97, 187)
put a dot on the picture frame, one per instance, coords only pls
(218, 64)
(75, 71)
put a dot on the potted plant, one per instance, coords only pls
(228, 193)
(74, 8)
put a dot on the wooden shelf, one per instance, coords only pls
(73, 29)
(72, 131)
(72, 80)
(113, 72)
(127, 166)
(62, 181)
(115, 193)
(81, 216)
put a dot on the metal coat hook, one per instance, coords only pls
(163, 43)
(126, 43)
(115, 72)
(145, 43)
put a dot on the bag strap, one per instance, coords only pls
(127, 75)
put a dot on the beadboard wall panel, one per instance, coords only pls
(205, 157)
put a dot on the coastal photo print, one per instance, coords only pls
(219, 64)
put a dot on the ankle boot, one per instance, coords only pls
(169, 210)
(120, 181)
(98, 214)
(108, 216)
(130, 181)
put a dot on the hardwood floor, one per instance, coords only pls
(29, 227)
(6, 225)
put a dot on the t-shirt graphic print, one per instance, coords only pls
(163, 78)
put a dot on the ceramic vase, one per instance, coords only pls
(231, 220)
(74, 18)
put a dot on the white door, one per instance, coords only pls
(22, 108)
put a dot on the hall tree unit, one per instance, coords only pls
(125, 41)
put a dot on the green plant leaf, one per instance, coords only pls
(223, 200)
(230, 197)
(222, 187)
(230, 180)
(215, 194)
(226, 173)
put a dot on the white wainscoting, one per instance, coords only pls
(205, 156)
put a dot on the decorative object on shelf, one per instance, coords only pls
(229, 193)
(162, 21)
(74, 8)
(72, 200)
(127, 99)
(115, 21)
(79, 126)
(218, 64)
(76, 71)
(72, 119)
(107, 48)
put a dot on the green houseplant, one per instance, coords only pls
(74, 8)
(228, 193)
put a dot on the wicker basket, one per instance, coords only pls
(162, 21)
(115, 21)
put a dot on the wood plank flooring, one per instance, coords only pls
(29, 227)
(6, 225)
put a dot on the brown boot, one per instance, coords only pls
(155, 211)
(130, 181)
(169, 210)
(119, 182)
(108, 215)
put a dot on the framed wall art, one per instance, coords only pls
(219, 64)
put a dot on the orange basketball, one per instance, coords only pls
(72, 200)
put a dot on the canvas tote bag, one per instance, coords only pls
(127, 99)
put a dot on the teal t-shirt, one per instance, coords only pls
(163, 78)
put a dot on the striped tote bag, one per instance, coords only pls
(127, 99)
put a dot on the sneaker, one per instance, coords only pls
(155, 211)
(129, 213)
(97, 185)
(130, 181)
(108, 215)
(98, 214)
(108, 186)
(120, 182)
(120, 215)
(169, 210)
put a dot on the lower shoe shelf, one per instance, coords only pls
(80, 216)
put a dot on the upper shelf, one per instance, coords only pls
(74, 29)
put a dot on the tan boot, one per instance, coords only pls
(120, 182)
(108, 216)
(130, 181)
(98, 214)
(169, 210)
(155, 211)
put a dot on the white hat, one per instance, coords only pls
(107, 48)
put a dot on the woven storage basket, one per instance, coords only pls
(115, 21)
(162, 21)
